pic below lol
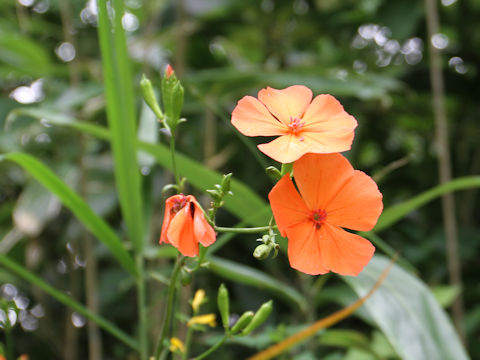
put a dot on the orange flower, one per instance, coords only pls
(303, 126)
(184, 225)
(332, 195)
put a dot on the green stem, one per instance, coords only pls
(252, 230)
(286, 168)
(169, 310)
(174, 163)
(188, 340)
(142, 309)
(8, 338)
(212, 349)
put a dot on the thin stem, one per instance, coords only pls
(286, 168)
(174, 163)
(212, 349)
(142, 308)
(169, 310)
(252, 230)
(9, 338)
(188, 339)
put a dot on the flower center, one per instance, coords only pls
(178, 204)
(296, 126)
(318, 217)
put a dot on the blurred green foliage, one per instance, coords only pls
(371, 54)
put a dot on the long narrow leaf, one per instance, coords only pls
(245, 204)
(71, 200)
(66, 300)
(395, 213)
(121, 118)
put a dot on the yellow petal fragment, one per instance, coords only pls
(207, 319)
(198, 300)
(176, 345)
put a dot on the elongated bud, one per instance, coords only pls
(223, 305)
(242, 322)
(150, 98)
(260, 316)
(172, 95)
(226, 183)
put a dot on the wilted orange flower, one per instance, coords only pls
(184, 225)
(303, 126)
(332, 196)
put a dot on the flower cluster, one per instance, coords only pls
(331, 195)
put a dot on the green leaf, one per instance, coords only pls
(67, 300)
(407, 313)
(249, 276)
(71, 200)
(245, 204)
(395, 213)
(121, 118)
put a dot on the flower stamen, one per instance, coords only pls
(296, 126)
(178, 204)
(318, 217)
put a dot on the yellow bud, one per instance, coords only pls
(207, 319)
(198, 299)
(176, 345)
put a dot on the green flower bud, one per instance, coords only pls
(186, 277)
(150, 98)
(261, 252)
(172, 95)
(226, 183)
(223, 305)
(260, 316)
(242, 322)
(273, 172)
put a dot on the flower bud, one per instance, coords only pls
(186, 277)
(172, 95)
(242, 322)
(259, 317)
(150, 98)
(223, 305)
(262, 251)
(273, 172)
(226, 183)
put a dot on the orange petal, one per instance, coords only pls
(319, 177)
(180, 232)
(323, 108)
(287, 206)
(357, 205)
(204, 233)
(343, 252)
(304, 251)
(286, 103)
(165, 225)
(285, 149)
(252, 118)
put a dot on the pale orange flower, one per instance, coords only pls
(184, 225)
(302, 125)
(332, 196)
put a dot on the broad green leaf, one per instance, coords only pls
(71, 200)
(250, 276)
(66, 300)
(396, 212)
(407, 313)
(121, 118)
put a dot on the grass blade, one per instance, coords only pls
(80, 208)
(67, 300)
(121, 118)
